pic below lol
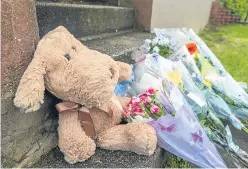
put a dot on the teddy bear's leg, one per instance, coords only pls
(73, 142)
(137, 137)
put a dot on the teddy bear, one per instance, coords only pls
(90, 113)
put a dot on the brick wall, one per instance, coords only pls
(220, 15)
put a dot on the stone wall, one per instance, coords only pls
(24, 137)
(221, 15)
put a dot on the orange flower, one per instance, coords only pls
(192, 48)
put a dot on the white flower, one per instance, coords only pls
(144, 48)
(155, 41)
(148, 41)
(138, 119)
(163, 42)
(156, 49)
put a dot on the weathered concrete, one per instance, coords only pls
(121, 46)
(84, 20)
(105, 159)
(20, 133)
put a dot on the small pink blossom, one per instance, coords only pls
(146, 101)
(137, 109)
(135, 101)
(154, 109)
(143, 96)
(150, 91)
(129, 107)
(126, 114)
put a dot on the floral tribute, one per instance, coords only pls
(144, 106)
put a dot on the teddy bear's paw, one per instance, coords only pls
(70, 161)
(143, 138)
(28, 105)
(76, 150)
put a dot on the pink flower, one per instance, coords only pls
(135, 101)
(126, 114)
(129, 107)
(137, 111)
(146, 101)
(143, 96)
(151, 91)
(154, 109)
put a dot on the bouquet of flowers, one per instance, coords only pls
(144, 106)
(177, 128)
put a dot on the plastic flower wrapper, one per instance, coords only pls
(143, 107)
(182, 134)
(187, 146)
(217, 104)
(204, 50)
(208, 98)
(244, 86)
(228, 89)
(223, 86)
(207, 113)
(140, 54)
(176, 37)
(188, 61)
(241, 113)
(197, 101)
(142, 78)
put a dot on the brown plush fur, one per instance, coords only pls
(88, 78)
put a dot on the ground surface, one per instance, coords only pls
(230, 45)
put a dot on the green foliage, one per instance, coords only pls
(239, 7)
(164, 50)
(176, 162)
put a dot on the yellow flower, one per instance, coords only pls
(208, 83)
(175, 77)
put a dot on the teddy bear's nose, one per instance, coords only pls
(68, 57)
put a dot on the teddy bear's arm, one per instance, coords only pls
(30, 92)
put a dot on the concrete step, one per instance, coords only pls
(120, 46)
(91, 2)
(84, 20)
(105, 159)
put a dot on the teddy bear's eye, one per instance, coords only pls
(67, 57)
(74, 49)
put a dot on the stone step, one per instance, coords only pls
(119, 46)
(105, 159)
(84, 20)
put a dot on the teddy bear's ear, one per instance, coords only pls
(30, 92)
(58, 29)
